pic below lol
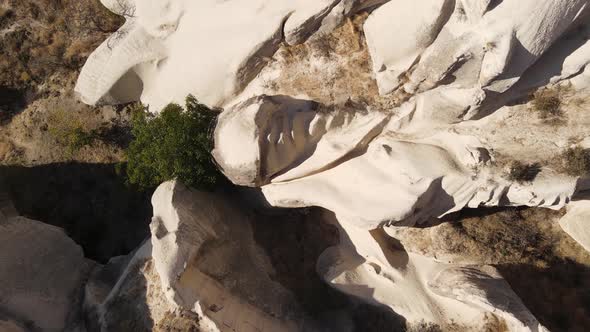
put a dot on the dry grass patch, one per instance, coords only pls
(523, 172)
(331, 68)
(50, 37)
(72, 133)
(185, 321)
(546, 268)
(547, 102)
(576, 161)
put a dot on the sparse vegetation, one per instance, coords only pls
(546, 268)
(49, 37)
(522, 172)
(173, 145)
(70, 133)
(347, 74)
(5, 15)
(185, 321)
(576, 161)
(547, 102)
(424, 326)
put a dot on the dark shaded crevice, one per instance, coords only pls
(558, 295)
(90, 202)
(11, 101)
(294, 239)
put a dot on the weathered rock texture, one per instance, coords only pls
(42, 275)
(303, 155)
(151, 57)
(207, 260)
(576, 222)
(425, 147)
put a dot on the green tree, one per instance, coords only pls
(175, 144)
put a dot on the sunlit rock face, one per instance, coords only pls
(212, 49)
(477, 48)
(446, 64)
(352, 162)
(202, 257)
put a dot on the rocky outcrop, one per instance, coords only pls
(400, 161)
(302, 156)
(476, 49)
(202, 258)
(371, 265)
(42, 275)
(208, 262)
(150, 57)
(576, 222)
(125, 294)
(399, 32)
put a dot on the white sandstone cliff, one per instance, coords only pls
(428, 146)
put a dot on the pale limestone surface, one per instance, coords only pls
(480, 50)
(417, 160)
(367, 264)
(354, 164)
(211, 49)
(42, 275)
(208, 262)
(576, 222)
(398, 33)
(192, 254)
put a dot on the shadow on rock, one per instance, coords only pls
(90, 201)
(558, 295)
(294, 239)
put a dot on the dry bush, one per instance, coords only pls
(332, 68)
(184, 321)
(71, 133)
(424, 326)
(576, 161)
(6, 16)
(522, 172)
(547, 102)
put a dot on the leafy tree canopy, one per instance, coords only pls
(175, 144)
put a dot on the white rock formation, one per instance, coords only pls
(399, 32)
(480, 49)
(576, 222)
(444, 61)
(302, 156)
(211, 49)
(42, 272)
(208, 262)
(367, 265)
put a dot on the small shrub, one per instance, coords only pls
(70, 133)
(185, 321)
(547, 103)
(78, 138)
(424, 326)
(521, 172)
(77, 51)
(576, 161)
(25, 77)
(6, 14)
(173, 145)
